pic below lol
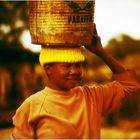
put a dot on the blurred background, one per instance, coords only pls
(21, 75)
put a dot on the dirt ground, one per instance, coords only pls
(125, 129)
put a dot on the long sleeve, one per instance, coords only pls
(23, 128)
(128, 82)
(125, 85)
(109, 97)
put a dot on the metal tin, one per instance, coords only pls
(61, 22)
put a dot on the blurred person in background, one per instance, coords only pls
(64, 109)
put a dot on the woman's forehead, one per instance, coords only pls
(63, 63)
(68, 63)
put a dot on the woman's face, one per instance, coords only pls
(64, 76)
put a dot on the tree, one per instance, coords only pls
(123, 45)
(13, 20)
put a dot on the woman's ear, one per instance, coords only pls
(47, 68)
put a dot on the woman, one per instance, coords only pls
(65, 110)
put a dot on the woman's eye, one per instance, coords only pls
(67, 66)
(78, 65)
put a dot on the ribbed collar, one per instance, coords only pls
(58, 92)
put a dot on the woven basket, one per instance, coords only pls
(61, 22)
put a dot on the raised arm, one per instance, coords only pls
(117, 68)
(97, 48)
(125, 82)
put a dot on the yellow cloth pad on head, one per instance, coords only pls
(61, 54)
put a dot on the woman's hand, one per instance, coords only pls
(96, 48)
(96, 45)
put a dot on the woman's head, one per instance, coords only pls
(63, 76)
(63, 66)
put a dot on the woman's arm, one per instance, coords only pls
(97, 48)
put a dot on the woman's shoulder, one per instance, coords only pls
(34, 99)
(37, 97)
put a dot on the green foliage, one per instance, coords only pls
(13, 21)
(122, 46)
(11, 10)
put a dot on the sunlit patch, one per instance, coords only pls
(119, 38)
(26, 41)
(5, 28)
(19, 24)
